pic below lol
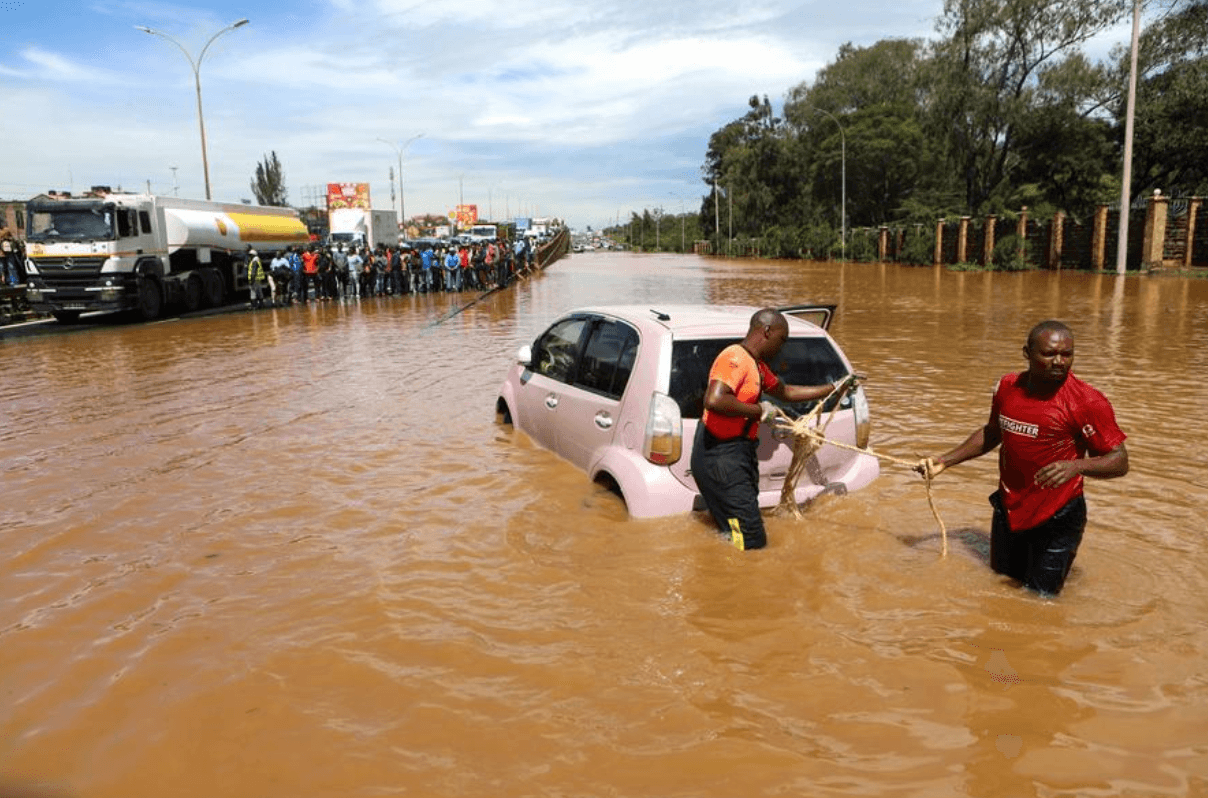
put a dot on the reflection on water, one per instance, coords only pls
(290, 553)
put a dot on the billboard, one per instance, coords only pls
(347, 195)
(523, 223)
(464, 216)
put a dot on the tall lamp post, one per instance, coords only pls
(1126, 180)
(196, 65)
(843, 208)
(682, 220)
(398, 150)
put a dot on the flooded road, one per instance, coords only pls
(289, 553)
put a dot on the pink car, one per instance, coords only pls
(618, 391)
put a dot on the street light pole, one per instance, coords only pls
(1126, 180)
(398, 150)
(843, 208)
(196, 65)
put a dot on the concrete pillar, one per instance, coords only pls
(1154, 238)
(939, 242)
(883, 244)
(987, 256)
(962, 240)
(1021, 230)
(1099, 238)
(1056, 240)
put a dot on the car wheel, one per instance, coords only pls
(503, 413)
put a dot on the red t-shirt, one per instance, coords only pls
(1036, 431)
(310, 262)
(747, 378)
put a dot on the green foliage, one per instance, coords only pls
(820, 241)
(986, 76)
(862, 245)
(919, 246)
(1008, 255)
(268, 185)
(1001, 110)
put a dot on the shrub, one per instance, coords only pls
(1008, 255)
(919, 247)
(862, 246)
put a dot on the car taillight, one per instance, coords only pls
(859, 406)
(664, 431)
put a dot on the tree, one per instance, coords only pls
(985, 75)
(1171, 140)
(269, 183)
(876, 94)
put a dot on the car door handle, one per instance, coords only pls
(603, 420)
(551, 401)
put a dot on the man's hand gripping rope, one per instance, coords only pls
(808, 438)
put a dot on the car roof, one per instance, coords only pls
(686, 321)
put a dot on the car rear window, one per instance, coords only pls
(802, 361)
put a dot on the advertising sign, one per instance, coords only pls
(523, 223)
(347, 195)
(464, 216)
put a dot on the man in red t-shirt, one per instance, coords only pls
(724, 462)
(1054, 430)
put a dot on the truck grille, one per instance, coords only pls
(69, 272)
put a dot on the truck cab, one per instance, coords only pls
(91, 254)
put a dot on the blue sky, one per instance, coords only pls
(524, 107)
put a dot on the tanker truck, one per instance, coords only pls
(142, 253)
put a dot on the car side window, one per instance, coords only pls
(608, 359)
(556, 350)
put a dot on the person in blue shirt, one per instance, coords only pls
(452, 270)
(295, 267)
(426, 264)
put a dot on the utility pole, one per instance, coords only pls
(1126, 181)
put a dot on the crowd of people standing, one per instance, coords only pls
(322, 272)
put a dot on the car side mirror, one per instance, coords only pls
(524, 355)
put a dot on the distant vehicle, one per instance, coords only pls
(619, 390)
(362, 228)
(420, 244)
(141, 252)
(482, 232)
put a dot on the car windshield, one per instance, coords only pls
(70, 223)
(802, 361)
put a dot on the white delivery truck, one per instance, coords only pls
(143, 252)
(359, 227)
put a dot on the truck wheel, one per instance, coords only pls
(65, 316)
(211, 288)
(150, 299)
(193, 289)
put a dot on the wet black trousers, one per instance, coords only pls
(1039, 557)
(727, 474)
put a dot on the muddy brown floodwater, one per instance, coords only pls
(290, 553)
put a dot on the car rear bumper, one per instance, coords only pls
(652, 491)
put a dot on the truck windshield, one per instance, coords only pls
(91, 222)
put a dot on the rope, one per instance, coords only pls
(808, 439)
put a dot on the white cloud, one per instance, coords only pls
(45, 65)
(599, 107)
